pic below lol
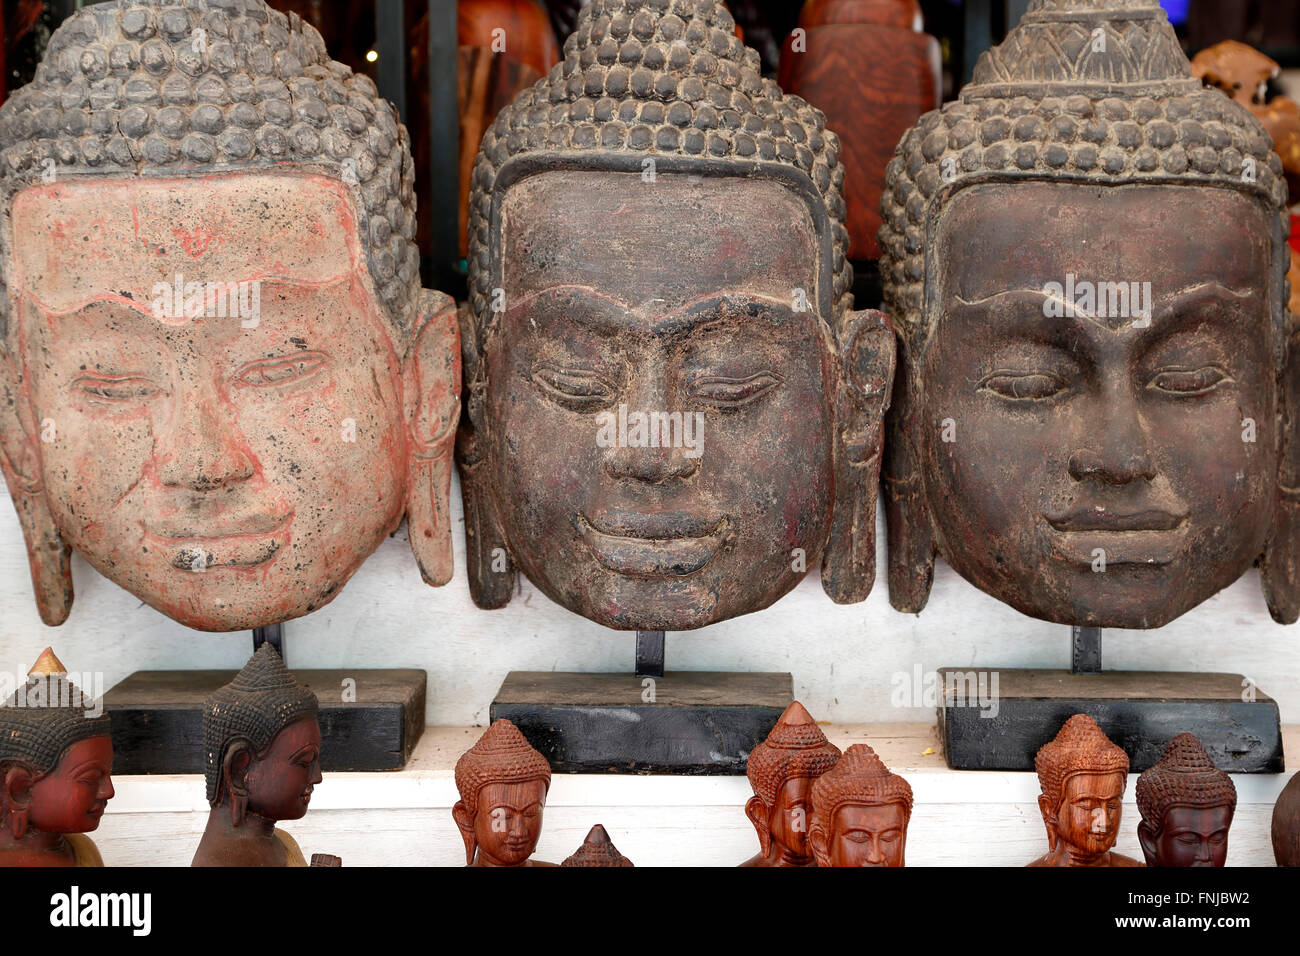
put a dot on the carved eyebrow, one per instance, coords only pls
(1200, 290)
(609, 315)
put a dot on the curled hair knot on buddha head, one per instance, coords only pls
(1079, 747)
(1185, 776)
(140, 88)
(52, 715)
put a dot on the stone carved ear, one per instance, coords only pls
(491, 571)
(1280, 565)
(47, 555)
(431, 377)
(867, 357)
(910, 543)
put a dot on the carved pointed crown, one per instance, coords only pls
(861, 778)
(502, 755)
(46, 715)
(796, 747)
(597, 850)
(1080, 746)
(1185, 776)
(262, 700)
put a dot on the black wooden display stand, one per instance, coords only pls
(1140, 711)
(369, 719)
(674, 722)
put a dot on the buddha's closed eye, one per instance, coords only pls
(112, 389)
(1187, 382)
(724, 392)
(576, 389)
(280, 370)
(1022, 385)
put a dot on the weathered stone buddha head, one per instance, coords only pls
(1092, 419)
(262, 742)
(1186, 805)
(503, 783)
(860, 812)
(673, 410)
(782, 770)
(56, 757)
(1082, 776)
(222, 381)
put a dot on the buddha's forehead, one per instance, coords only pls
(993, 238)
(516, 795)
(674, 240)
(864, 814)
(116, 239)
(1088, 783)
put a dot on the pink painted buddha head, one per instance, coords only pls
(223, 383)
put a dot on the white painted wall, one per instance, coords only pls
(842, 658)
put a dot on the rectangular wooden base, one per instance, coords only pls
(686, 722)
(988, 726)
(372, 724)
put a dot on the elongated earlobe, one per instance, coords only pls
(432, 385)
(867, 374)
(910, 544)
(465, 823)
(48, 557)
(490, 569)
(758, 812)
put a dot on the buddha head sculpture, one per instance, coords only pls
(503, 783)
(223, 384)
(597, 850)
(261, 761)
(860, 812)
(1186, 805)
(1082, 776)
(1091, 421)
(672, 408)
(56, 758)
(782, 770)
(1285, 831)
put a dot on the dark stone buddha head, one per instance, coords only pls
(673, 409)
(1085, 261)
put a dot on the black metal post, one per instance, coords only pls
(272, 634)
(649, 653)
(444, 127)
(1085, 650)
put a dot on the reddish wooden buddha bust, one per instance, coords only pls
(782, 770)
(860, 812)
(1089, 383)
(261, 754)
(56, 758)
(1082, 776)
(503, 783)
(597, 850)
(1186, 805)
(208, 254)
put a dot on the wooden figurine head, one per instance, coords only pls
(261, 755)
(1091, 418)
(223, 383)
(1082, 777)
(503, 783)
(860, 812)
(1286, 824)
(597, 850)
(782, 770)
(673, 410)
(1186, 805)
(56, 757)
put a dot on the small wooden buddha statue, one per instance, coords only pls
(860, 812)
(261, 752)
(781, 770)
(597, 850)
(1286, 825)
(1186, 805)
(1082, 775)
(56, 758)
(503, 783)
